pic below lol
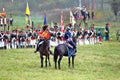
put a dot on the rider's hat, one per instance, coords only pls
(45, 26)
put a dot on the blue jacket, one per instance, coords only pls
(67, 35)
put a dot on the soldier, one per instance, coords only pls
(106, 31)
(80, 36)
(92, 35)
(44, 34)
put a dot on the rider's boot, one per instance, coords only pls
(39, 43)
(74, 51)
(36, 49)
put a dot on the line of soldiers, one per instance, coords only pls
(17, 39)
(84, 36)
(21, 39)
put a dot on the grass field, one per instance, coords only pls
(98, 62)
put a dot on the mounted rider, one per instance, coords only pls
(44, 35)
(69, 41)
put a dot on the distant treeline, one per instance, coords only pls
(18, 6)
(36, 6)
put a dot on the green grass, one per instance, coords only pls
(98, 62)
(19, 22)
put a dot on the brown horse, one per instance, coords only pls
(60, 51)
(44, 51)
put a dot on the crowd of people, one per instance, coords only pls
(29, 38)
(84, 36)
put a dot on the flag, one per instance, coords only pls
(45, 20)
(72, 18)
(62, 22)
(12, 1)
(27, 12)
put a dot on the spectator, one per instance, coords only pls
(106, 31)
(11, 21)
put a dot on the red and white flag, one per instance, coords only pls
(62, 22)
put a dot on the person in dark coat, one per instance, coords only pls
(106, 32)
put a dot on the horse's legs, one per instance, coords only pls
(55, 59)
(46, 61)
(60, 57)
(49, 60)
(41, 60)
(73, 61)
(69, 62)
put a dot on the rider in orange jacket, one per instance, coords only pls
(44, 34)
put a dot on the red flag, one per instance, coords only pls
(62, 22)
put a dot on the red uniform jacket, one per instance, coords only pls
(44, 34)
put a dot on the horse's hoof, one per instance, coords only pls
(35, 51)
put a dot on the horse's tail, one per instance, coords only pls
(55, 54)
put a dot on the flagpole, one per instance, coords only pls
(62, 22)
(80, 4)
(92, 9)
(45, 20)
(92, 5)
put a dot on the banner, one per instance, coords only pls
(72, 18)
(27, 12)
(62, 22)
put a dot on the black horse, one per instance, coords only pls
(44, 51)
(61, 50)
